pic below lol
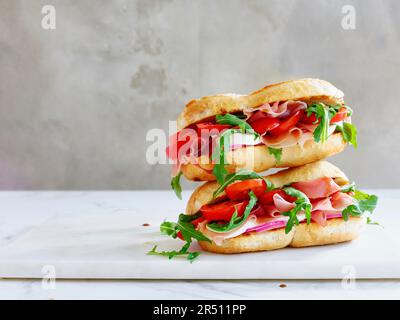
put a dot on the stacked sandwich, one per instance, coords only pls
(227, 140)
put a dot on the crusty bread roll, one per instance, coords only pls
(258, 158)
(307, 90)
(337, 230)
(304, 235)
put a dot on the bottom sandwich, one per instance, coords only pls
(304, 206)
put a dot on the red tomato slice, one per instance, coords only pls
(309, 120)
(340, 115)
(257, 116)
(288, 123)
(267, 197)
(223, 210)
(240, 190)
(265, 124)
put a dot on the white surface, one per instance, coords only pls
(22, 210)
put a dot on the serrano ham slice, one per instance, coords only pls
(277, 109)
(318, 188)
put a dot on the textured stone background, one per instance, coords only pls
(76, 102)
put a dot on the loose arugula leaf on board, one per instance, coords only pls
(239, 176)
(191, 256)
(375, 223)
(235, 221)
(188, 231)
(302, 203)
(276, 152)
(176, 185)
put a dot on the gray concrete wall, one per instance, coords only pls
(76, 102)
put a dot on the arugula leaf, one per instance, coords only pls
(369, 221)
(351, 210)
(235, 121)
(191, 256)
(368, 204)
(235, 221)
(276, 152)
(363, 203)
(239, 176)
(348, 188)
(218, 155)
(169, 228)
(176, 185)
(302, 203)
(322, 113)
(349, 132)
(325, 113)
(188, 231)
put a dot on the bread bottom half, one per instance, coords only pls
(258, 159)
(304, 235)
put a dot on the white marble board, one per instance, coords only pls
(112, 244)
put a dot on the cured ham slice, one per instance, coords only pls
(322, 217)
(319, 217)
(277, 109)
(291, 138)
(341, 200)
(294, 136)
(281, 204)
(318, 188)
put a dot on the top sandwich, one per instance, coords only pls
(282, 125)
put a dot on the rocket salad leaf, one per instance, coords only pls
(188, 231)
(349, 132)
(325, 113)
(322, 113)
(176, 185)
(363, 203)
(302, 203)
(276, 152)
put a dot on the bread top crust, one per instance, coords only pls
(307, 90)
(203, 194)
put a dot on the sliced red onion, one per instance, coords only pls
(268, 226)
(334, 215)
